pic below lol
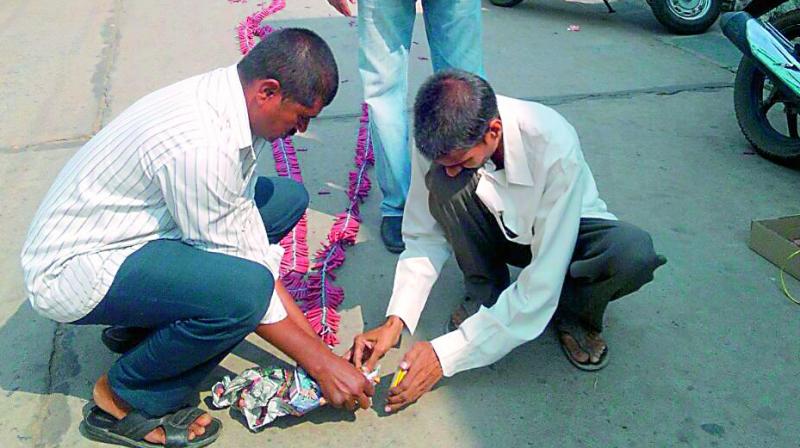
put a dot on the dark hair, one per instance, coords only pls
(452, 112)
(298, 59)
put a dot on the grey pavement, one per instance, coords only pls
(706, 355)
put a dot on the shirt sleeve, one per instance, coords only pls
(523, 310)
(199, 188)
(426, 251)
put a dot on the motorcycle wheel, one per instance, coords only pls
(506, 3)
(773, 135)
(686, 16)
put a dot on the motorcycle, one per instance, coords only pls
(767, 78)
(678, 16)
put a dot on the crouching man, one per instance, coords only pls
(159, 223)
(500, 181)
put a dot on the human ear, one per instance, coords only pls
(268, 89)
(493, 132)
(496, 127)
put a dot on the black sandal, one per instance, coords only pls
(130, 431)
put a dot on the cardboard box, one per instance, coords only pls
(776, 240)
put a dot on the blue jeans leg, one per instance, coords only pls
(384, 35)
(385, 29)
(454, 34)
(281, 203)
(199, 304)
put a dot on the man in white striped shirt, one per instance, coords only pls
(158, 222)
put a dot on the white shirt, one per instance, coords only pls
(178, 164)
(544, 190)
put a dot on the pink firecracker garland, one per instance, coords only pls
(251, 26)
(294, 264)
(318, 296)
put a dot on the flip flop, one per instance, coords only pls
(579, 334)
(101, 426)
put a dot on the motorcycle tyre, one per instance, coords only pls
(506, 3)
(766, 141)
(681, 26)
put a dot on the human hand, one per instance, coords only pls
(424, 371)
(374, 343)
(342, 6)
(344, 386)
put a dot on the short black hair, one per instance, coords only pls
(298, 59)
(452, 112)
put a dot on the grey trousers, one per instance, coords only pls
(611, 258)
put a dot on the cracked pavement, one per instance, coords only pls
(706, 355)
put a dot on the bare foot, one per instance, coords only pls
(596, 346)
(107, 400)
(464, 311)
(458, 316)
(575, 350)
(588, 351)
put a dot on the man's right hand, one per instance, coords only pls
(374, 344)
(343, 385)
(342, 6)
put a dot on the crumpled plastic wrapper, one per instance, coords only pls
(264, 394)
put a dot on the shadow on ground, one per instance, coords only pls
(80, 358)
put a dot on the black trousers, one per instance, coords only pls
(611, 258)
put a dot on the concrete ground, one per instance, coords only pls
(706, 355)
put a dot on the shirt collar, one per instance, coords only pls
(240, 120)
(515, 160)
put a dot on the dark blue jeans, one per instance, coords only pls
(199, 304)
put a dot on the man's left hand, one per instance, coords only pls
(424, 371)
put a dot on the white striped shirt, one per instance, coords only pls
(177, 164)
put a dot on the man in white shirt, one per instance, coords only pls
(159, 222)
(502, 181)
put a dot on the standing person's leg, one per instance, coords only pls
(454, 34)
(612, 259)
(384, 35)
(481, 250)
(199, 304)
